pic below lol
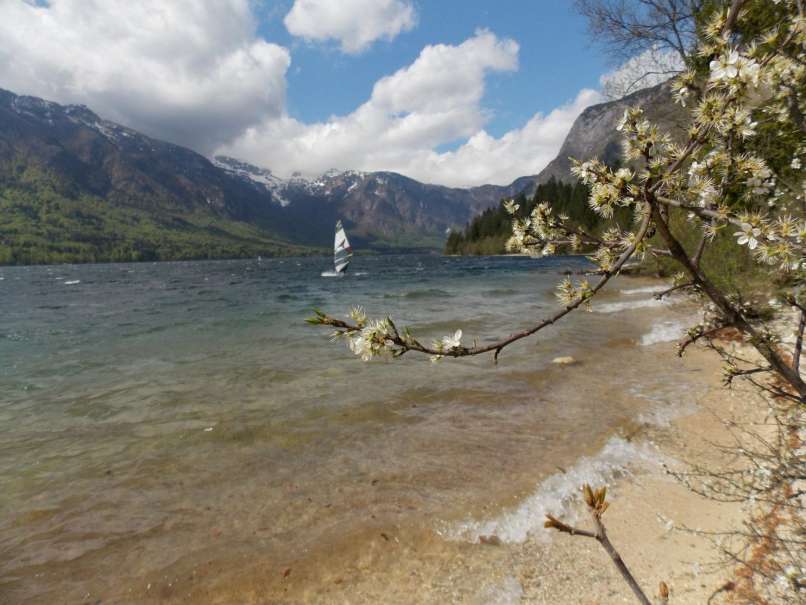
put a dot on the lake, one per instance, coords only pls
(176, 432)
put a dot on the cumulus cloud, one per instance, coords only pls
(191, 72)
(520, 152)
(197, 73)
(434, 101)
(355, 24)
(647, 69)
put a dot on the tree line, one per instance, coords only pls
(488, 232)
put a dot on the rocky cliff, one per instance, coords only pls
(594, 134)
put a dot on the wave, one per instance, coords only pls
(417, 294)
(629, 304)
(556, 494)
(662, 416)
(667, 403)
(72, 282)
(644, 290)
(665, 331)
(501, 292)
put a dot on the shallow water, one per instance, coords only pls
(176, 430)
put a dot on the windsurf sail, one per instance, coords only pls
(342, 251)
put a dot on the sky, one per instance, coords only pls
(453, 92)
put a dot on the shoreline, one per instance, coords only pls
(647, 510)
(422, 563)
(653, 519)
(382, 524)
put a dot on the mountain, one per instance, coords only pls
(594, 133)
(76, 187)
(381, 209)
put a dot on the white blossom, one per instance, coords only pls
(748, 236)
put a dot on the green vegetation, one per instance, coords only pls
(400, 243)
(730, 267)
(488, 232)
(40, 225)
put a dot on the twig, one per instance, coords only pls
(700, 249)
(733, 314)
(799, 340)
(701, 212)
(411, 344)
(597, 505)
(661, 295)
(733, 13)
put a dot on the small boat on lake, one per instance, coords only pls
(342, 253)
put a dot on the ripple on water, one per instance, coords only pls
(420, 294)
(307, 443)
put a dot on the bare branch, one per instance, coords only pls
(661, 295)
(597, 505)
(799, 339)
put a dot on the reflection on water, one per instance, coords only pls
(176, 429)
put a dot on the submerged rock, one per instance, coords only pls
(567, 360)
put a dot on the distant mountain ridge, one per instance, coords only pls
(384, 205)
(131, 196)
(593, 134)
(72, 152)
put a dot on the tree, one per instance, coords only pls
(750, 79)
(631, 27)
(653, 39)
(714, 176)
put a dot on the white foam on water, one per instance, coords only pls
(630, 304)
(663, 416)
(667, 404)
(72, 282)
(644, 290)
(509, 592)
(664, 331)
(557, 493)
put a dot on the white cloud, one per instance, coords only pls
(196, 73)
(524, 151)
(356, 24)
(187, 71)
(434, 101)
(647, 69)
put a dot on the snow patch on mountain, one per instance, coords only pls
(331, 182)
(261, 177)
